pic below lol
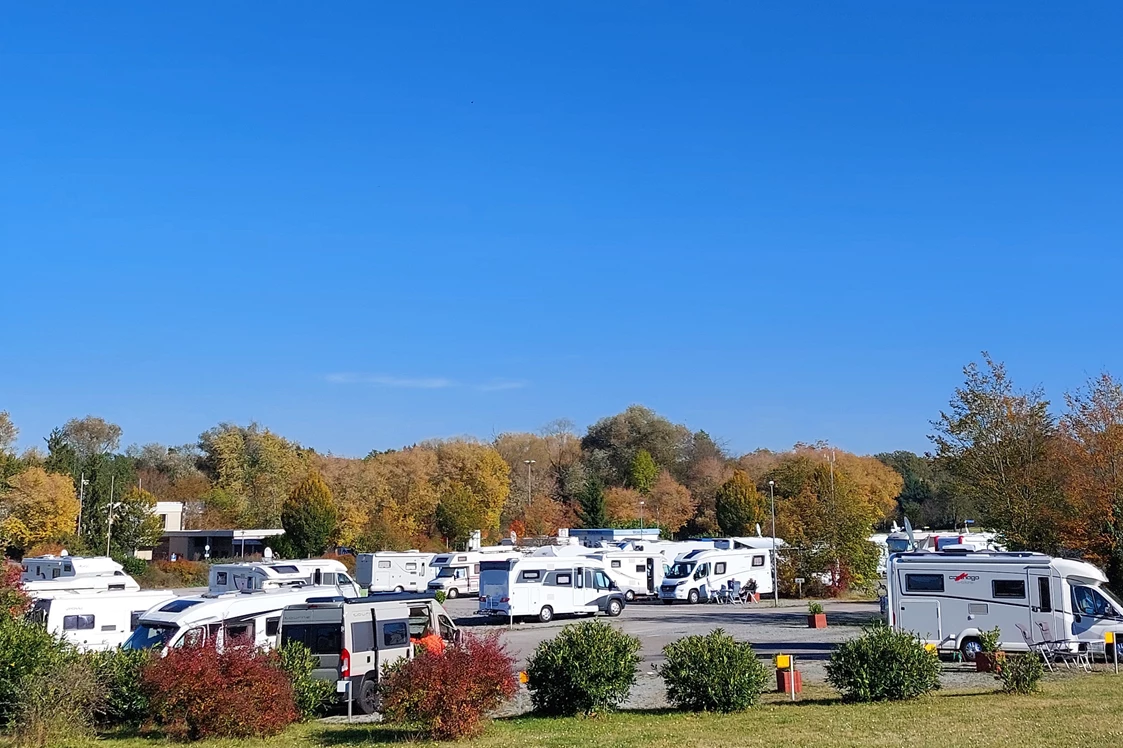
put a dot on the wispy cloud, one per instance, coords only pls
(416, 383)
(422, 383)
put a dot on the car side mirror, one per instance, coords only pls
(1076, 617)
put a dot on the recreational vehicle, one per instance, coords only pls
(458, 574)
(949, 598)
(250, 617)
(279, 574)
(353, 639)
(390, 571)
(542, 587)
(701, 574)
(637, 572)
(94, 620)
(42, 575)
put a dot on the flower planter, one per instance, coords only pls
(989, 662)
(817, 620)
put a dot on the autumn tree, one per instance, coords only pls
(997, 443)
(309, 518)
(738, 505)
(591, 509)
(669, 503)
(91, 436)
(644, 472)
(255, 463)
(35, 507)
(8, 433)
(480, 471)
(611, 444)
(459, 513)
(1091, 453)
(135, 522)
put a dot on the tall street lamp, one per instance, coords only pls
(775, 561)
(641, 514)
(528, 463)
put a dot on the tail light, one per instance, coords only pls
(344, 664)
(483, 599)
(504, 599)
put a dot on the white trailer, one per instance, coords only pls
(392, 571)
(251, 617)
(458, 574)
(94, 620)
(264, 575)
(701, 574)
(543, 587)
(949, 598)
(353, 639)
(42, 575)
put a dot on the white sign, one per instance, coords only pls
(799, 580)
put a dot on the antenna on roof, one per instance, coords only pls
(758, 530)
(908, 531)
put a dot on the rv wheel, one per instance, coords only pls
(693, 597)
(614, 608)
(546, 614)
(452, 593)
(399, 588)
(969, 648)
(366, 700)
(629, 596)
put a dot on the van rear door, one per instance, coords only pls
(321, 630)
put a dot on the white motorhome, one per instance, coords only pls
(638, 572)
(264, 575)
(94, 620)
(391, 571)
(458, 574)
(49, 574)
(700, 574)
(543, 587)
(249, 617)
(949, 598)
(353, 639)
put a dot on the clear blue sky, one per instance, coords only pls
(367, 224)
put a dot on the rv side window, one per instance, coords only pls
(615, 564)
(719, 568)
(67, 568)
(395, 634)
(1013, 588)
(383, 564)
(134, 619)
(640, 568)
(530, 575)
(924, 582)
(220, 578)
(758, 560)
(411, 566)
(563, 580)
(77, 623)
(1046, 602)
(240, 633)
(272, 626)
(54, 573)
(602, 582)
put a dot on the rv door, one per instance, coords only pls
(650, 576)
(921, 617)
(1046, 604)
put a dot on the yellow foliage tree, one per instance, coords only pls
(37, 507)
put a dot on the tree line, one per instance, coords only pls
(1046, 481)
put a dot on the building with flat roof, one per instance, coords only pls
(196, 545)
(593, 537)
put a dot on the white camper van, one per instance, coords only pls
(353, 639)
(249, 617)
(390, 571)
(94, 620)
(701, 574)
(949, 598)
(458, 574)
(49, 574)
(543, 587)
(637, 572)
(264, 575)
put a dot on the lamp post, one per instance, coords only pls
(775, 561)
(82, 483)
(528, 463)
(641, 514)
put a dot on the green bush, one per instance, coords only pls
(588, 668)
(814, 608)
(56, 707)
(125, 702)
(990, 640)
(1022, 674)
(26, 650)
(313, 697)
(883, 665)
(712, 673)
(441, 596)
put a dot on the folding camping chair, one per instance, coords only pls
(1038, 648)
(1063, 651)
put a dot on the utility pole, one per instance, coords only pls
(775, 561)
(82, 482)
(641, 514)
(528, 463)
(109, 532)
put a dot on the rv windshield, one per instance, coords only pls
(453, 572)
(897, 545)
(150, 636)
(681, 570)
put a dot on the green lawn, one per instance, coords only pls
(1082, 710)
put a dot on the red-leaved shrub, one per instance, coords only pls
(200, 692)
(449, 695)
(14, 601)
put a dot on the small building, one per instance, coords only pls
(593, 537)
(196, 545)
(170, 514)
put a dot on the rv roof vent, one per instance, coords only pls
(333, 599)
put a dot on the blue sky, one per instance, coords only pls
(368, 224)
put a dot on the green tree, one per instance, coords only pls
(458, 514)
(591, 510)
(611, 444)
(739, 507)
(644, 472)
(253, 462)
(309, 517)
(135, 522)
(91, 436)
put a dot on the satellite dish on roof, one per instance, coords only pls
(908, 531)
(758, 530)
(267, 554)
(64, 553)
